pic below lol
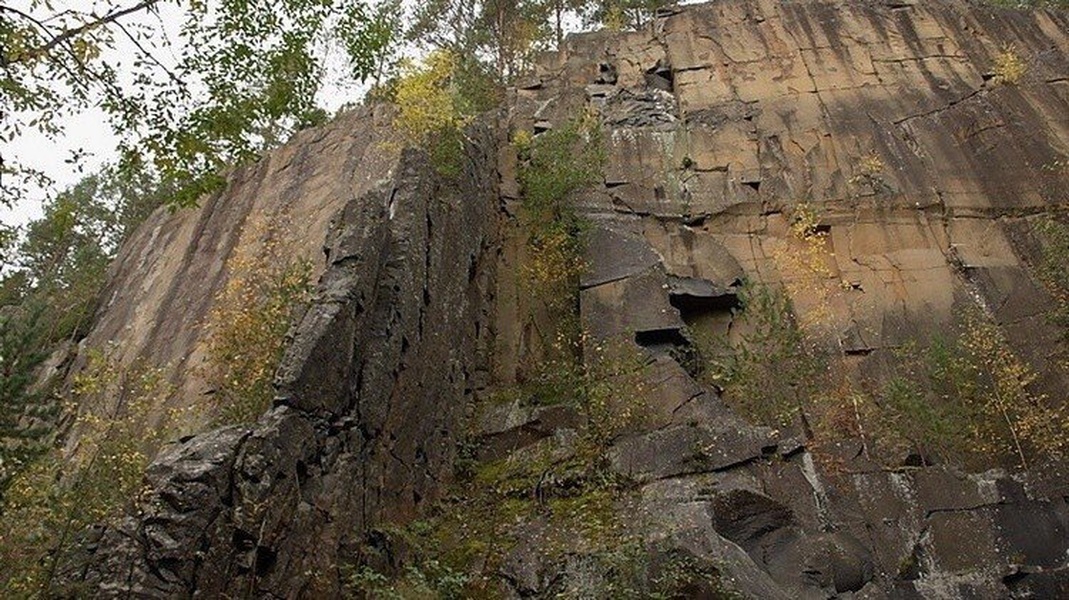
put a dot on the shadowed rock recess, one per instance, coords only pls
(892, 120)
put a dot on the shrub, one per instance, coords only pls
(803, 267)
(554, 165)
(1009, 67)
(431, 111)
(1053, 269)
(426, 103)
(773, 370)
(428, 578)
(606, 386)
(869, 172)
(247, 325)
(919, 404)
(20, 354)
(1013, 419)
(52, 501)
(965, 399)
(969, 399)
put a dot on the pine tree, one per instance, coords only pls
(23, 417)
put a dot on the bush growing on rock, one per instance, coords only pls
(965, 399)
(803, 265)
(773, 370)
(432, 109)
(1009, 66)
(554, 165)
(49, 505)
(248, 323)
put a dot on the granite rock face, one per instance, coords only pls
(721, 120)
(887, 121)
(882, 116)
(372, 389)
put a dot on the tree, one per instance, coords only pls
(191, 86)
(20, 353)
(503, 34)
(559, 11)
(49, 293)
(621, 14)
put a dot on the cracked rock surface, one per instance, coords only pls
(371, 391)
(720, 120)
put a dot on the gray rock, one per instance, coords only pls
(389, 336)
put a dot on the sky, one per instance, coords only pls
(86, 130)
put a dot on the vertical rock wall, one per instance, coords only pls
(721, 120)
(374, 384)
(889, 122)
(166, 278)
(884, 118)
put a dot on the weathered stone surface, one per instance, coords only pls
(883, 118)
(614, 254)
(721, 120)
(372, 391)
(624, 306)
(165, 280)
(509, 427)
(684, 449)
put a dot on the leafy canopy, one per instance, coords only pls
(189, 86)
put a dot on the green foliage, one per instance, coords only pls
(427, 102)
(772, 372)
(966, 398)
(65, 254)
(429, 578)
(622, 14)
(606, 386)
(969, 399)
(49, 503)
(247, 325)
(920, 404)
(455, 551)
(235, 78)
(500, 39)
(501, 34)
(22, 412)
(432, 110)
(265, 291)
(1053, 268)
(635, 570)
(48, 295)
(554, 165)
(371, 39)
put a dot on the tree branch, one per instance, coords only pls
(55, 40)
(133, 39)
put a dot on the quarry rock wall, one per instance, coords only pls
(890, 121)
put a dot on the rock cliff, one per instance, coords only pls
(891, 126)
